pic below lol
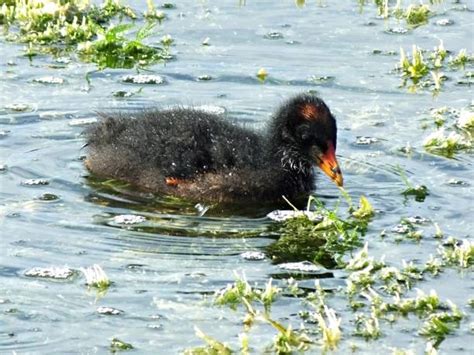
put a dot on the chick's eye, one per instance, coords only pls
(303, 133)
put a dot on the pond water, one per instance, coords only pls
(163, 268)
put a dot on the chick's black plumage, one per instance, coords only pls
(201, 156)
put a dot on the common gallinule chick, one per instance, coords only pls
(200, 156)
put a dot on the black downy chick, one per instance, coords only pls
(201, 156)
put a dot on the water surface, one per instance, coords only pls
(162, 269)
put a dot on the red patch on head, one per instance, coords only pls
(310, 112)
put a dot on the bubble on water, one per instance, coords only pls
(143, 79)
(361, 140)
(201, 209)
(35, 182)
(109, 311)
(128, 219)
(401, 229)
(253, 255)
(82, 121)
(204, 77)
(305, 266)
(4, 133)
(273, 35)
(49, 80)
(48, 197)
(417, 220)
(445, 22)
(457, 182)
(283, 215)
(17, 107)
(52, 272)
(397, 31)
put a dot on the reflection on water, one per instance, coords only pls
(164, 262)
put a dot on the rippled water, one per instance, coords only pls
(162, 268)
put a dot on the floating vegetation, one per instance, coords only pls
(112, 49)
(152, 13)
(414, 15)
(330, 328)
(119, 345)
(55, 27)
(418, 69)
(262, 74)
(418, 191)
(250, 298)
(370, 278)
(323, 241)
(460, 254)
(96, 277)
(213, 346)
(439, 325)
(453, 134)
(447, 145)
(367, 327)
(48, 197)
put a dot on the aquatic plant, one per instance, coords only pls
(54, 26)
(242, 294)
(417, 15)
(262, 74)
(112, 49)
(434, 265)
(213, 346)
(323, 241)
(119, 345)
(152, 13)
(330, 328)
(417, 69)
(454, 131)
(447, 145)
(466, 121)
(422, 304)
(367, 327)
(414, 15)
(460, 254)
(461, 59)
(413, 70)
(96, 277)
(418, 191)
(439, 325)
